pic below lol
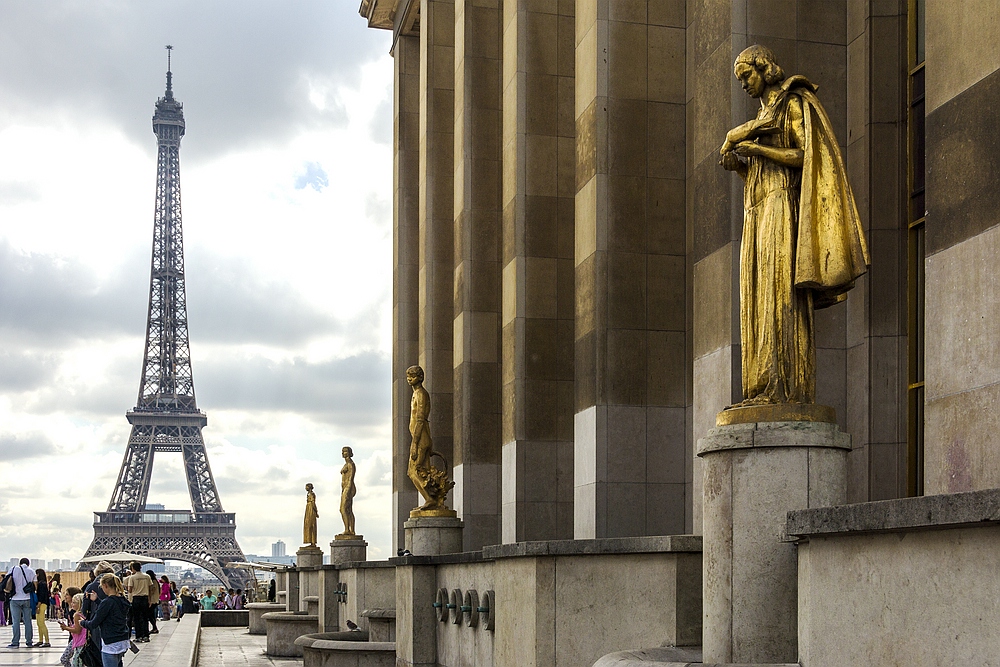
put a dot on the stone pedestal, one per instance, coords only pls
(257, 611)
(433, 536)
(283, 628)
(754, 474)
(348, 549)
(309, 557)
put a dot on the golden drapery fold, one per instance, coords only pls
(830, 251)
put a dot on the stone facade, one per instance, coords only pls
(566, 270)
(567, 248)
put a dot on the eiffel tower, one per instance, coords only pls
(166, 417)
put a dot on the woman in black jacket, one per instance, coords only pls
(111, 618)
(42, 591)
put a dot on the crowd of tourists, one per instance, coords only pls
(108, 617)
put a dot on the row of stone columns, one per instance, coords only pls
(566, 254)
(540, 274)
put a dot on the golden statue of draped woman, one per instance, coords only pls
(803, 245)
(432, 483)
(347, 493)
(309, 522)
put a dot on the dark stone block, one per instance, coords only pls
(963, 158)
(225, 618)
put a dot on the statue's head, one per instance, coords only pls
(756, 68)
(414, 375)
(347, 452)
(309, 487)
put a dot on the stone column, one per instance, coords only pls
(631, 370)
(416, 624)
(436, 215)
(329, 609)
(755, 473)
(405, 268)
(962, 366)
(538, 312)
(477, 271)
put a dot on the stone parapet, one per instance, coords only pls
(613, 545)
(952, 510)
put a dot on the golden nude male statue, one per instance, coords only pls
(347, 493)
(431, 482)
(803, 245)
(309, 522)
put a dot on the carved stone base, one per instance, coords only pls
(441, 512)
(348, 549)
(433, 536)
(311, 556)
(777, 412)
(754, 474)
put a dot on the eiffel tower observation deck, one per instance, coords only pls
(166, 417)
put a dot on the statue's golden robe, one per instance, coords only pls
(803, 247)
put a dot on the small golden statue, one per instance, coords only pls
(347, 493)
(431, 482)
(309, 522)
(803, 244)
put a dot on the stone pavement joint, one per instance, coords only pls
(236, 647)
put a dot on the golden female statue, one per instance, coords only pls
(803, 245)
(309, 522)
(347, 492)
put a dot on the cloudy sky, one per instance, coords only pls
(286, 179)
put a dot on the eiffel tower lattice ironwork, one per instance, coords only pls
(166, 417)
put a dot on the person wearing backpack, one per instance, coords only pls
(20, 584)
(111, 618)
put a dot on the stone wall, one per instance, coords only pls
(557, 604)
(899, 582)
(962, 314)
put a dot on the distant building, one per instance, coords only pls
(278, 549)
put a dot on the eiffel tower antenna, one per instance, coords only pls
(170, 87)
(166, 417)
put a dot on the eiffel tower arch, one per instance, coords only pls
(166, 417)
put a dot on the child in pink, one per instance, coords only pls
(78, 634)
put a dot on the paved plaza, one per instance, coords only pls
(232, 647)
(219, 647)
(59, 639)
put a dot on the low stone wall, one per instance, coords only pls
(369, 585)
(900, 582)
(560, 603)
(224, 618)
(178, 649)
